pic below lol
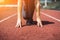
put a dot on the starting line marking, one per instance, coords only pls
(41, 13)
(8, 5)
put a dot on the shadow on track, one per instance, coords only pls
(43, 22)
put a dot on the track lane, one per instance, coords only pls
(50, 31)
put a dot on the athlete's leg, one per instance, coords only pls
(29, 10)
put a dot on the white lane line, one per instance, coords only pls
(8, 5)
(41, 13)
(7, 17)
(50, 16)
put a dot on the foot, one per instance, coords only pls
(29, 22)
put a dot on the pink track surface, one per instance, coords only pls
(49, 31)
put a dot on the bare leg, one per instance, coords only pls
(39, 23)
(29, 10)
(19, 18)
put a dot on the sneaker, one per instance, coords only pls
(29, 22)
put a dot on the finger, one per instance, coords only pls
(19, 23)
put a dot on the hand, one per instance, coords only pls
(39, 23)
(19, 23)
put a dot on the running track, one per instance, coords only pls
(49, 31)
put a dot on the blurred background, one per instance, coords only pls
(50, 4)
(3, 2)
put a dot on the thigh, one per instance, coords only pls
(29, 7)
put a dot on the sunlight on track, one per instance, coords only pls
(1, 1)
(6, 5)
